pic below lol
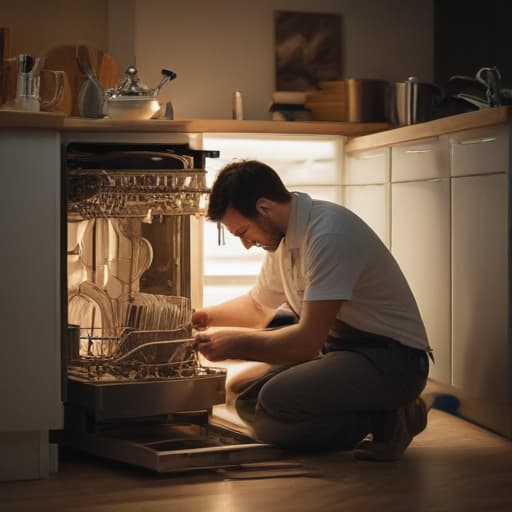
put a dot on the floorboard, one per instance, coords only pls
(452, 466)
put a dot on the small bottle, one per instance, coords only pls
(238, 108)
(169, 111)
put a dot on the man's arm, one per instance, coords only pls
(291, 344)
(242, 311)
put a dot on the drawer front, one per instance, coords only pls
(481, 151)
(419, 160)
(367, 167)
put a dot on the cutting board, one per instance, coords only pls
(63, 58)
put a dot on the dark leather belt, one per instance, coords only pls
(346, 333)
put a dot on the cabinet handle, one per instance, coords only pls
(370, 156)
(477, 141)
(426, 150)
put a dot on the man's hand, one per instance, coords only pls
(200, 320)
(216, 346)
(222, 344)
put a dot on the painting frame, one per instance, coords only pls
(307, 49)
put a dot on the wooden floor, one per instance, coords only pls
(452, 466)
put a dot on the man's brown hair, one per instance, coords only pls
(240, 184)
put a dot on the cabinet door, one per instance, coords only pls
(481, 353)
(30, 368)
(420, 242)
(370, 202)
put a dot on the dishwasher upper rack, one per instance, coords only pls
(139, 193)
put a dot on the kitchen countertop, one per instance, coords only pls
(361, 135)
(43, 120)
(470, 120)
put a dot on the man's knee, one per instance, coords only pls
(276, 422)
(244, 376)
(272, 430)
(277, 402)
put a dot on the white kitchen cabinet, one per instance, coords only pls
(30, 367)
(420, 239)
(481, 343)
(366, 188)
(420, 227)
(480, 271)
(450, 232)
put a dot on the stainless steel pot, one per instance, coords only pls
(411, 102)
(365, 100)
(132, 100)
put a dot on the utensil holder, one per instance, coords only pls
(27, 92)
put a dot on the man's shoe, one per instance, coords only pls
(411, 419)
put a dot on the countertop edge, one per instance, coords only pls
(467, 121)
(225, 126)
(11, 119)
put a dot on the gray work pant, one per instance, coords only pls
(332, 402)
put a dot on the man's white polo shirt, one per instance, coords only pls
(329, 253)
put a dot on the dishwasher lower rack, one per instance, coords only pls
(147, 374)
(106, 401)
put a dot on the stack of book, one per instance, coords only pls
(289, 106)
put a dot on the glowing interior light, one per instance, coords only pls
(306, 163)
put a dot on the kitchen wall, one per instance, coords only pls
(217, 47)
(36, 25)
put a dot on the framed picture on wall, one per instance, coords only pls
(307, 49)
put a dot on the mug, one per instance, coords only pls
(54, 91)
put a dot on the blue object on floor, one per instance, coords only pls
(446, 403)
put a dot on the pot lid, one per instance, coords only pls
(132, 86)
